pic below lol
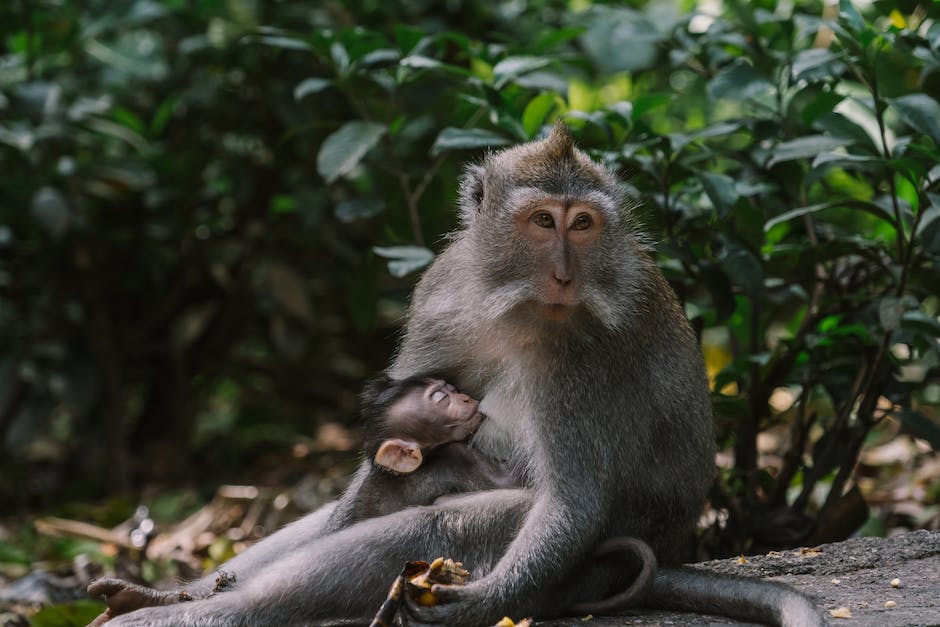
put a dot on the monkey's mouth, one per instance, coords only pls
(555, 312)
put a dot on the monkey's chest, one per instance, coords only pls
(503, 435)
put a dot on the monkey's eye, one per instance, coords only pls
(582, 222)
(544, 220)
(438, 396)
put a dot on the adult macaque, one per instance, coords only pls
(547, 307)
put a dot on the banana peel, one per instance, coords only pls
(417, 580)
(440, 571)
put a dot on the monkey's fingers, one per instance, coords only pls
(107, 586)
(446, 602)
(122, 596)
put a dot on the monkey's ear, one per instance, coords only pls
(471, 193)
(399, 456)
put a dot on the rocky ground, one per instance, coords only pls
(876, 582)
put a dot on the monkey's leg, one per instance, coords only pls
(344, 576)
(123, 596)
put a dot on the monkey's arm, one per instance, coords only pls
(557, 533)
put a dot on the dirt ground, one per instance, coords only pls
(857, 574)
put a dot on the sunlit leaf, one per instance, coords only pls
(285, 43)
(346, 147)
(920, 112)
(466, 138)
(816, 64)
(513, 67)
(805, 147)
(738, 81)
(311, 86)
(720, 190)
(404, 260)
(536, 111)
(358, 208)
(862, 205)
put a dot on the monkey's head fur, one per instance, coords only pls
(556, 232)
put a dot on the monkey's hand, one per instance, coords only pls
(456, 605)
(122, 597)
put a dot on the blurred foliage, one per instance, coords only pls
(213, 213)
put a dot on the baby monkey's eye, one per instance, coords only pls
(582, 222)
(438, 396)
(544, 220)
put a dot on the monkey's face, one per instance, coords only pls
(559, 237)
(548, 236)
(434, 414)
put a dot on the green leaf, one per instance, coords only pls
(282, 203)
(404, 259)
(346, 147)
(536, 111)
(869, 207)
(452, 138)
(385, 56)
(620, 39)
(850, 16)
(513, 67)
(421, 62)
(929, 231)
(849, 162)
(816, 64)
(821, 104)
(647, 102)
(720, 190)
(737, 81)
(418, 61)
(285, 43)
(311, 86)
(920, 112)
(358, 209)
(805, 147)
(743, 268)
(340, 57)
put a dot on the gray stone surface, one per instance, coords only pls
(855, 574)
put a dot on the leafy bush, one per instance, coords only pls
(201, 198)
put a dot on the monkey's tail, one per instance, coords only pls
(736, 597)
(632, 549)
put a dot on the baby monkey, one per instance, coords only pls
(415, 434)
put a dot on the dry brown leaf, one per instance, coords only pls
(841, 612)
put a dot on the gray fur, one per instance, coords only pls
(607, 415)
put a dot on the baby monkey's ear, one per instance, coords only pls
(399, 456)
